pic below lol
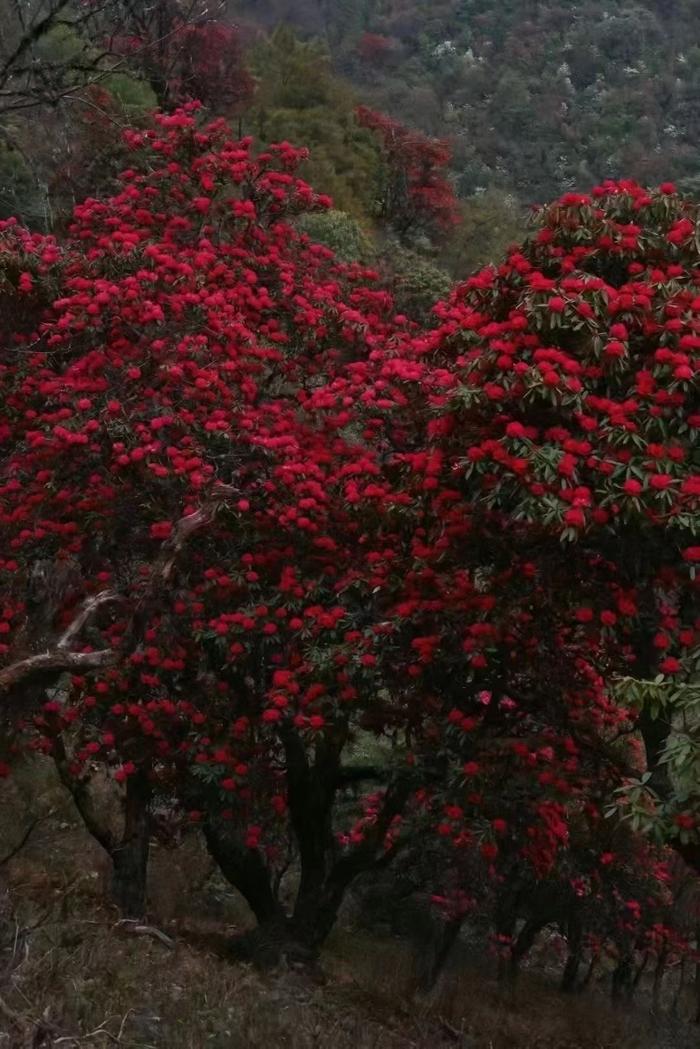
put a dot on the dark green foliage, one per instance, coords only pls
(20, 193)
(416, 281)
(539, 95)
(298, 99)
(340, 232)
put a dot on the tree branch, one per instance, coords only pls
(90, 606)
(34, 33)
(57, 659)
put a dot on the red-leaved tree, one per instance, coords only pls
(414, 193)
(182, 51)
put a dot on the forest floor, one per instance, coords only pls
(73, 976)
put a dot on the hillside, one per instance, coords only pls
(537, 96)
(350, 573)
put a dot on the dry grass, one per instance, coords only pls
(469, 1003)
(72, 977)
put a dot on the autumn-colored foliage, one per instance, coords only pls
(183, 54)
(415, 193)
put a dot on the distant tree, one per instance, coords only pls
(491, 222)
(375, 48)
(340, 232)
(294, 73)
(49, 51)
(90, 69)
(299, 99)
(414, 193)
(416, 281)
(183, 50)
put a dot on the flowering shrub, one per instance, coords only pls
(546, 429)
(168, 508)
(252, 517)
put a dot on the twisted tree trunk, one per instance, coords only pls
(324, 876)
(130, 855)
(127, 848)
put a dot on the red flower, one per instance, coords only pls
(660, 481)
(162, 530)
(685, 820)
(556, 304)
(124, 771)
(575, 517)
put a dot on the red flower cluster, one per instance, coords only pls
(282, 520)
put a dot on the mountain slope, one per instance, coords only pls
(536, 96)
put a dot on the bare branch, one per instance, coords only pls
(59, 656)
(56, 660)
(186, 527)
(135, 927)
(34, 33)
(86, 612)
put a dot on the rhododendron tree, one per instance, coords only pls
(414, 194)
(375, 49)
(252, 517)
(547, 428)
(588, 368)
(211, 68)
(55, 50)
(610, 895)
(181, 533)
(182, 50)
(553, 413)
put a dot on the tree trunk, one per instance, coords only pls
(641, 968)
(681, 984)
(245, 869)
(277, 935)
(128, 851)
(569, 977)
(325, 878)
(658, 980)
(130, 856)
(432, 960)
(524, 943)
(575, 953)
(622, 977)
(592, 966)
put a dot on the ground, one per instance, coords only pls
(72, 975)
